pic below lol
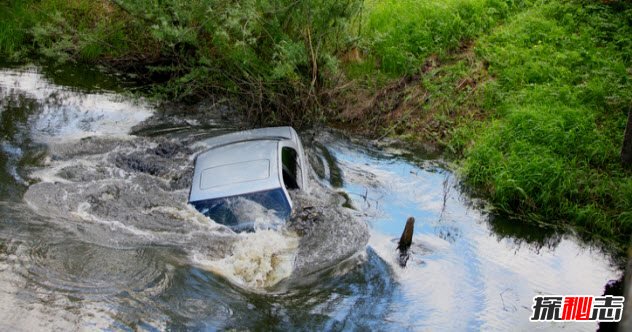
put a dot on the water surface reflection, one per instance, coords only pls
(466, 271)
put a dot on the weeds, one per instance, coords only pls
(279, 57)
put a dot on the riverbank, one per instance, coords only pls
(536, 109)
(532, 106)
(529, 98)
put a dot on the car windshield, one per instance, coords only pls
(263, 209)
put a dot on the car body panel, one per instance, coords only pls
(248, 164)
(220, 176)
(233, 169)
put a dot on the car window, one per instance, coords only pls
(291, 168)
(242, 212)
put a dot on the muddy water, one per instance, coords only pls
(96, 233)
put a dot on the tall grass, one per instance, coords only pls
(62, 30)
(13, 29)
(560, 99)
(403, 33)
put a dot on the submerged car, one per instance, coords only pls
(246, 175)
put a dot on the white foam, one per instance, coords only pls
(258, 261)
(83, 212)
(189, 213)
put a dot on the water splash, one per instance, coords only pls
(131, 193)
(258, 260)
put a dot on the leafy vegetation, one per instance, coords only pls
(74, 30)
(278, 56)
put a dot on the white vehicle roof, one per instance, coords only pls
(243, 162)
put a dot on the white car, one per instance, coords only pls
(258, 166)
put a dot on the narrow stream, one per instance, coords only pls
(96, 233)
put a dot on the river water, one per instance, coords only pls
(95, 231)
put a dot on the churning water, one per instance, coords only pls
(96, 233)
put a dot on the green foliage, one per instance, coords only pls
(13, 28)
(76, 30)
(277, 55)
(561, 96)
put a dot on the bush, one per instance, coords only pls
(279, 56)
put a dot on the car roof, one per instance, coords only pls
(271, 133)
(239, 163)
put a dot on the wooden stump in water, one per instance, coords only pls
(407, 236)
(405, 241)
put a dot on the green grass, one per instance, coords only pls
(534, 106)
(401, 34)
(61, 30)
(13, 29)
(558, 106)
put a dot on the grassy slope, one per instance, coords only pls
(403, 33)
(559, 101)
(535, 106)
(406, 38)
